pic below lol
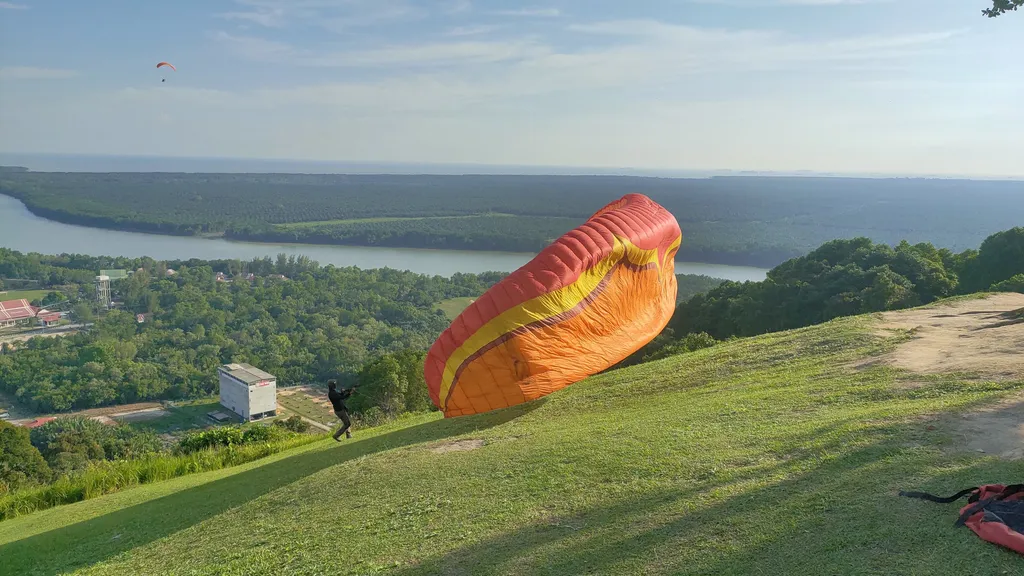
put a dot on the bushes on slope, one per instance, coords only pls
(71, 443)
(104, 477)
(229, 436)
(295, 423)
(21, 464)
(1014, 284)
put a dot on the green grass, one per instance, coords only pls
(316, 223)
(769, 455)
(303, 405)
(454, 306)
(183, 416)
(29, 295)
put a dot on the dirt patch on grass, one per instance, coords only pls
(979, 338)
(983, 337)
(996, 430)
(140, 415)
(457, 446)
(119, 409)
(108, 411)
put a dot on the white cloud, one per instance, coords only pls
(829, 2)
(380, 14)
(335, 15)
(433, 54)
(33, 73)
(769, 3)
(454, 76)
(254, 48)
(472, 30)
(268, 18)
(636, 56)
(437, 54)
(458, 6)
(12, 6)
(678, 46)
(531, 12)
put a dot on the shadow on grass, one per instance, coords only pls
(97, 539)
(837, 515)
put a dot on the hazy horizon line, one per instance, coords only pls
(490, 169)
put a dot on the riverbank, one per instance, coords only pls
(424, 233)
(24, 231)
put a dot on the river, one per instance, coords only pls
(23, 231)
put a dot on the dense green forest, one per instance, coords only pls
(848, 277)
(689, 285)
(319, 323)
(733, 220)
(503, 233)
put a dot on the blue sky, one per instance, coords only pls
(900, 86)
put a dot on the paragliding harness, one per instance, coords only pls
(995, 512)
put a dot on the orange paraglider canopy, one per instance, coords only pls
(590, 299)
(167, 64)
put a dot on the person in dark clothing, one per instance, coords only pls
(340, 409)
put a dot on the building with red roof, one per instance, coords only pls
(39, 422)
(14, 312)
(48, 318)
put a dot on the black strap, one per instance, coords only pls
(982, 504)
(1010, 491)
(939, 499)
(973, 509)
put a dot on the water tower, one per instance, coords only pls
(103, 290)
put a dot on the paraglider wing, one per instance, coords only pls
(587, 301)
(168, 64)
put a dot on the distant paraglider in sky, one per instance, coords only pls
(169, 65)
(586, 302)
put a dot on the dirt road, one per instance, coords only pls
(141, 410)
(42, 332)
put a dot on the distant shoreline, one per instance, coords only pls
(54, 162)
(753, 222)
(101, 223)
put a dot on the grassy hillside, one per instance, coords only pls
(781, 454)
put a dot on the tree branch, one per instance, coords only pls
(1001, 7)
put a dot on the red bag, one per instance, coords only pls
(994, 512)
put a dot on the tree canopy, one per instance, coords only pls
(1000, 7)
(849, 277)
(21, 463)
(312, 324)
